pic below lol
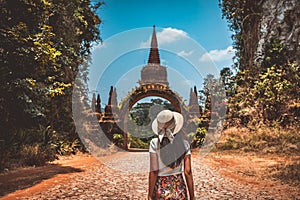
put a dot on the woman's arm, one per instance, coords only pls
(189, 176)
(152, 174)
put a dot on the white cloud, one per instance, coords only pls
(218, 55)
(185, 54)
(167, 35)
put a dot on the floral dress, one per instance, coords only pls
(170, 187)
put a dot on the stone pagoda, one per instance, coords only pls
(153, 72)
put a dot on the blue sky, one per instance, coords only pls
(193, 40)
(201, 19)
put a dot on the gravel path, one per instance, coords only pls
(125, 176)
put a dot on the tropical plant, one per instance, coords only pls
(43, 43)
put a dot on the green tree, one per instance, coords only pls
(243, 17)
(228, 81)
(42, 43)
(213, 96)
(265, 93)
(277, 87)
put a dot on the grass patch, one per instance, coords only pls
(265, 140)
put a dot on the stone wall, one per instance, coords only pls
(280, 19)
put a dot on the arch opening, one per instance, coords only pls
(140, 118)
(165, 99)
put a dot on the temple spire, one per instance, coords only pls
(154, 54)
(153, 72)
(154, 39)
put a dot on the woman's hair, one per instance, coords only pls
(171, 154)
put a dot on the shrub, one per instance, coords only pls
(118, 139)
(138, 143)
(35, 155)
(268, 140)
(4, 160)
(198, 137)
(66, 147)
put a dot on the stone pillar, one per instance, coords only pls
(194, 108)
(93, 105)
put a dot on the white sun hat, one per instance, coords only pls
(167, 116)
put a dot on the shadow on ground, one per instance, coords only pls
(288, 173)
(137, 150)
(26, 178)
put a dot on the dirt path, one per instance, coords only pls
(31, 180)
(124, 176)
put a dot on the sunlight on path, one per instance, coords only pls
(128, 162)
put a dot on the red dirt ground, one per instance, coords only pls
(27, 181)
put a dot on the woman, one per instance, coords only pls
(170, 157)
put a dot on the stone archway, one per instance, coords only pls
(153, 82)
(144, 91)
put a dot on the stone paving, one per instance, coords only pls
(126, 177)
